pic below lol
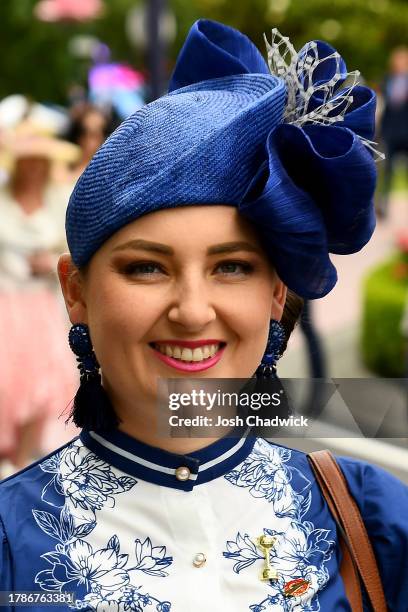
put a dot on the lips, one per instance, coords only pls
(189, 355)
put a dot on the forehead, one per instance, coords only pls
(194, 224)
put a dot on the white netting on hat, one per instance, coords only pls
(298, 71)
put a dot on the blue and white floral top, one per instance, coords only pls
(126, 526)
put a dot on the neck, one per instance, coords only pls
(180, 446)
(144, 422)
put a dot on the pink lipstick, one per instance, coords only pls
(189, 366)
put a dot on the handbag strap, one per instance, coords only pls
(358, 555)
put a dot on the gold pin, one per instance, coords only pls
(265, 543)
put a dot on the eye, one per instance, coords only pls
(235, 268)
(143, 268)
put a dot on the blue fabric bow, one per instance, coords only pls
(313, 192)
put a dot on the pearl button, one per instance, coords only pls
(199, 560)
(183, 473)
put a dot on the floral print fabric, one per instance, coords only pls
(106, 519)
(81, 486)
(103, 578)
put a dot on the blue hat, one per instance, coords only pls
(291, 150)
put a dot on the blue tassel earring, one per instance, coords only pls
(81, 345)
(273, 351)
(92, 409)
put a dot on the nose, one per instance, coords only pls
(192, 307)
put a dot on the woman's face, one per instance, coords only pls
(182, 292)
(33, 170)
(92, 132)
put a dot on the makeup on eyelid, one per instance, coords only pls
(136, 267)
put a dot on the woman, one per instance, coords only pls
(36, 370)
(187, 233)
(89, 128)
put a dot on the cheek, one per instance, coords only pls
(119, 316)
(254, 337)
(252, 310)
(249, 317)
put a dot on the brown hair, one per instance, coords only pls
(291, 314)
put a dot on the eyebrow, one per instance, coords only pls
(164, 249)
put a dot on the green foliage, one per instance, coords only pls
(35, 59)
(382, 343)
(364, 31)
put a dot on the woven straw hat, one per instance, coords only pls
(31, 140)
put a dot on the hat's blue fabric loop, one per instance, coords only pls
(324, 72)
(301, 219)
(213, 50)
(360, 116)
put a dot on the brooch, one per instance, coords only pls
(296, 587)
(265, 543)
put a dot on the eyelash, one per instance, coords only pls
(132, 268)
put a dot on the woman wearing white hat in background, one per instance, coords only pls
(37, 377)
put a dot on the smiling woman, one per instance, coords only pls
(201, 303)
(194, 234)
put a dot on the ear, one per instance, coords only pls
(72, 286)
(278, 298)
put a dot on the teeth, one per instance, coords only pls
(187, 354)
(197, 354)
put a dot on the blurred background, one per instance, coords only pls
(71, 71)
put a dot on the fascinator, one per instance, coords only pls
(286, 142)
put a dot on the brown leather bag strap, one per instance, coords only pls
(358, 555)
(348, 568)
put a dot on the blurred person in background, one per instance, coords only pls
(394, 120)
(37, 373)
(90, 127)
